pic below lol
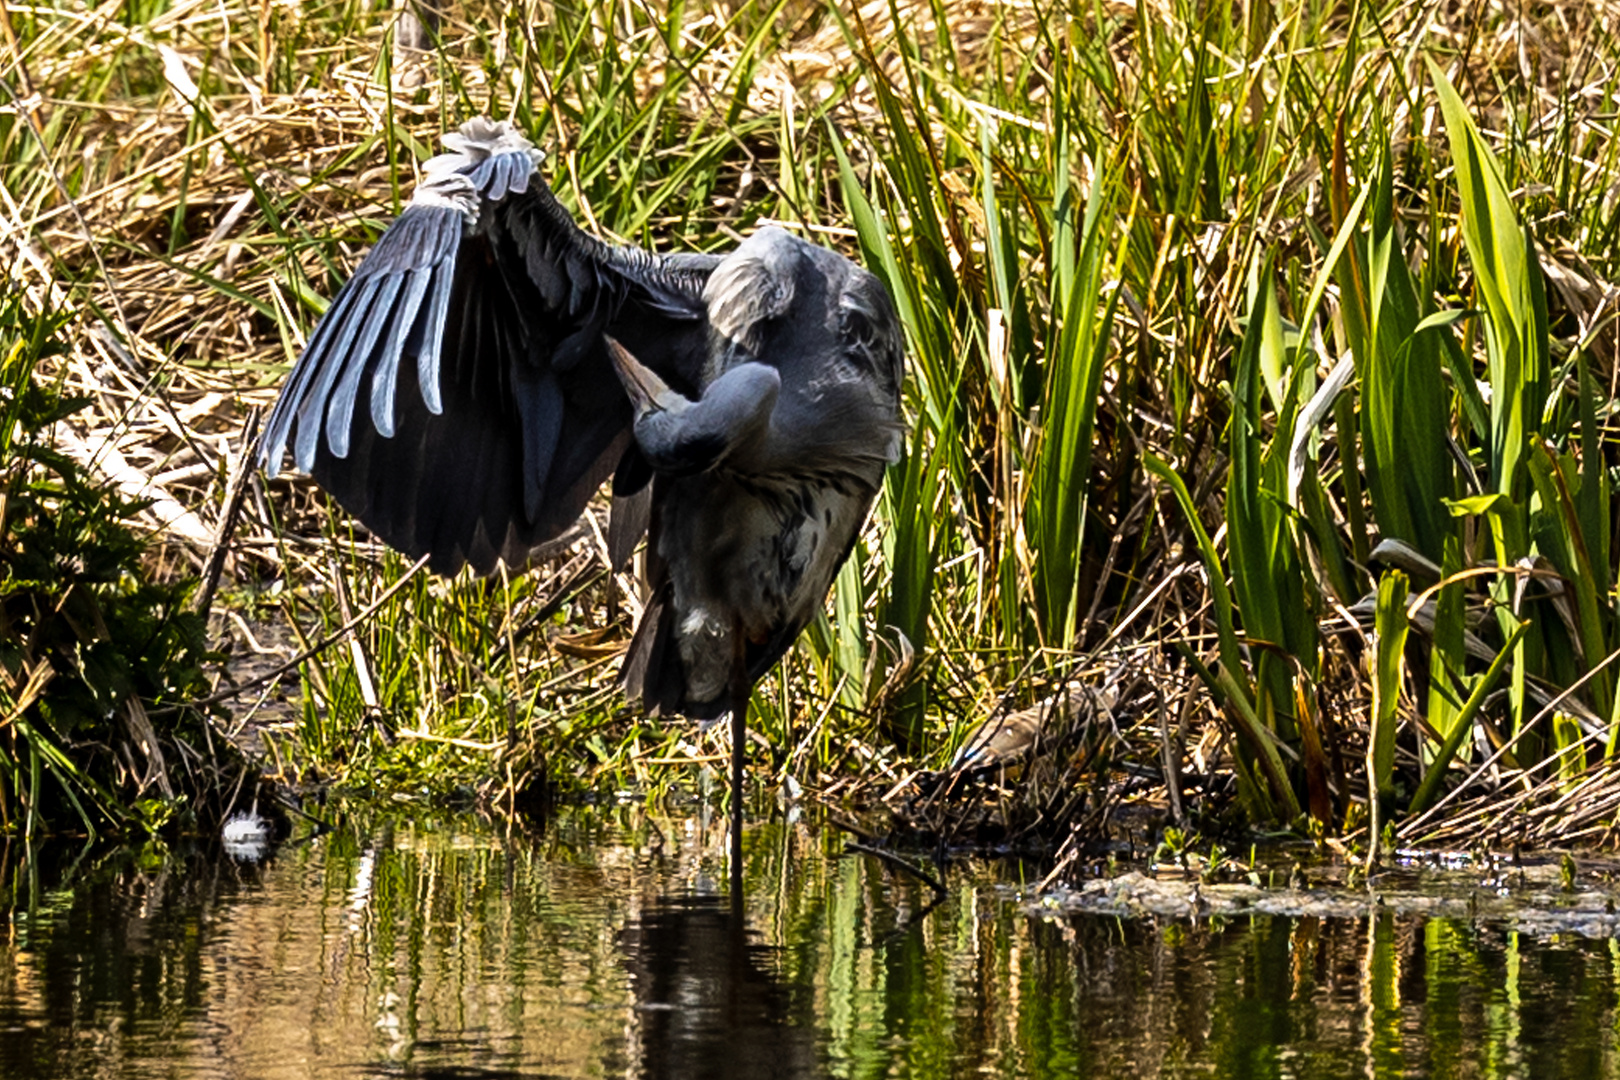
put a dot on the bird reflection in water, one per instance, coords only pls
(710, 1001)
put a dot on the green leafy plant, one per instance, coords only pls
(88, 640)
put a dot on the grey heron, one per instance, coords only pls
(489, 366)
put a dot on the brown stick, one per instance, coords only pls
(319, 647)
(235, 491)
(900, 864)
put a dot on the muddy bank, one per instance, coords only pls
(1552, 895)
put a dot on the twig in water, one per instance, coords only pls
(900, 864)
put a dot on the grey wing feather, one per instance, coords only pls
(360, 357)
(510, 417)
(386, 378)
(429, 346)
(423, 239)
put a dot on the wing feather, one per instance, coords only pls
(279, 426)
(429, 346)
(386, 377)
(328, 365)
(356, 360)
(540, 406)
(474, 328)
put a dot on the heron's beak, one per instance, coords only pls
(647, 391)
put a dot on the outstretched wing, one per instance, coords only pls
(457, 396)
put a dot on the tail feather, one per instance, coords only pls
(653, 673)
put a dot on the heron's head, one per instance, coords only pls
(679, 436)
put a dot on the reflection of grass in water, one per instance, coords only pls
(599, 946)
(1073, 205)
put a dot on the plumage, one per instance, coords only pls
(509, 363)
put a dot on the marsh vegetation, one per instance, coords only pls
(1262, 370)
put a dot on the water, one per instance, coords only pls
(609, 946)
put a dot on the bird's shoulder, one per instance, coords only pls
(490, 174)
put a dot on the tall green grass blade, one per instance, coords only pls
(1435, 776)
(1593, 495)
(1391, 626)
(910, 496)
(1448, 658)
(1404, 415)
(1569, 748)
(1057, 506)
(910, 505)
(1259, 743)
(1507, 279)
(1220, 597)
(1564, 541)
(1262, 744)
(1252, 518)
(1267, 567)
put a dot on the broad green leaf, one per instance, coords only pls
(1390, 627)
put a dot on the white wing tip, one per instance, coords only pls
(445, 177)
(482, 138)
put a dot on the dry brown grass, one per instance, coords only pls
(210, 173)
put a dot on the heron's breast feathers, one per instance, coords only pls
(762, 567)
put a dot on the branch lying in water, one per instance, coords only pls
(900, 864)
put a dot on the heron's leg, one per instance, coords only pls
(742, 688)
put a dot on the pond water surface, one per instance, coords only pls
(608, 945)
